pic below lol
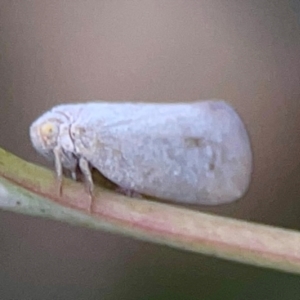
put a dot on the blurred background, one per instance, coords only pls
(246, 52)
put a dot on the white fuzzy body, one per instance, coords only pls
(186, 152)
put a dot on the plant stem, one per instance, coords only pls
(30, 189)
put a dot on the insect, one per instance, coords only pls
(196, 152)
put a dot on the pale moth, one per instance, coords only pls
(197, 153)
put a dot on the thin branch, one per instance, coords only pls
(29, 189)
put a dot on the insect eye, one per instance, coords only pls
(48, 131)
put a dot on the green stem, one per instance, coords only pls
(29, 189)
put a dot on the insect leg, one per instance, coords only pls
(128, 192)
(58, 168)
(74, 175)
(86, 171)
